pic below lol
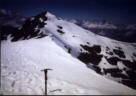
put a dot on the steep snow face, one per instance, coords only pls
(23, 61)
(112, 59)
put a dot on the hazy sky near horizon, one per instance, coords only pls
(117, 11)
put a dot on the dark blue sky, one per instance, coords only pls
(117, 11)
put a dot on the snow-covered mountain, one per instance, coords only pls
(82, 62)
(121, 32)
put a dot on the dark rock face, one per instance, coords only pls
(87, 42)
(129, 64)
(119, 52)
(41, 35)
(69, 49)
(131, 74)
(97, 69)
(108, 51)
(130, 83)
(95, 48)
(92, 56)
(42, 15)
(119, 48)
(60, 31)
(112, 60)
(119, 75)
(60, 27)
(130, 77)
(30, 29)
(112, 70)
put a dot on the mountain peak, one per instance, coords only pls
(44, 16)
(41, 15)
(112, 59)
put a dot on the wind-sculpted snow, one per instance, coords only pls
(113, 59)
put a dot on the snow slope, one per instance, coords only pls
(23, 61)
(45, 41)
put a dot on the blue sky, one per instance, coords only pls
(117, 11)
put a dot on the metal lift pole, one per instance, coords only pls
(46, 78)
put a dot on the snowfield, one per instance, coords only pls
(46, 41)
(23, 61)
